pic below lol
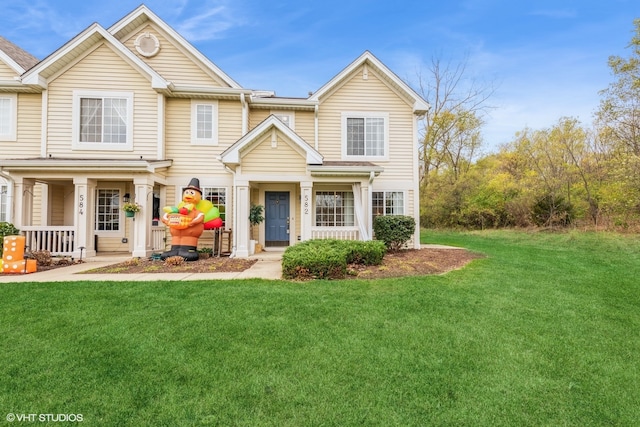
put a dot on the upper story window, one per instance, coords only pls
(8, 117)
(204, 122)
(288, 118)
(103, 120)
(365, 135)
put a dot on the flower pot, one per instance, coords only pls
(129, 214)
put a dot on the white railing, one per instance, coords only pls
(340, 233)
(158, 238)
(59, 240)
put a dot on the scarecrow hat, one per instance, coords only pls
(194, 184)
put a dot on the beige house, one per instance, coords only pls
(134, 112)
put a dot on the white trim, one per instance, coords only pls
(232, 154)
(420, 106)
(44, 123)
(11, 135)
(11, 63)
(101, 146)
(195, 103)
(364, 114)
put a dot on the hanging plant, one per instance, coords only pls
(131, 207)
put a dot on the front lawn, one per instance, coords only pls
(543, 331)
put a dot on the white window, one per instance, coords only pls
(365, 135)
(217, 196)
(4, 208)
(288, 118)
(334, 209)
(387, 203)
(108, 209)
(8, 117)
(204, 122)
(103, 120)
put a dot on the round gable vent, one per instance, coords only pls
(147, 44)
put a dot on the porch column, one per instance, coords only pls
(306, 210)
(84, 208)
(23, 199)
(142, 246)
(241, 222)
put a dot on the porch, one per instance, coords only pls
(60, 240)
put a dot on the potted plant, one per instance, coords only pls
(255, 218)
(130, 209)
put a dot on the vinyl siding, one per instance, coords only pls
(57, 204)
(281, 160)
(172, 63)
(6, 73)
(197, 160)
(305, 126)
(29, 128)
(102, 70)
(370, 95)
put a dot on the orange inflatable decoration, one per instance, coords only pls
(13, 256)
(188, 220)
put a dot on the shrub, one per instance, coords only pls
(394, 230)
(174, 260)
(43, 258)
(7, 229)
(328, 259)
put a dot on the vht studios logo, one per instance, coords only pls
(45, 418)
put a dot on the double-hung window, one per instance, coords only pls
(8, 117)
(204, 122)
(334, 209)
(365, 136)
(387, 203)
(103, 120)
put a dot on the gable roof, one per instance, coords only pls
(143, 14)
(15, 57)
(80, 44)
(420, 106)
(232, 154)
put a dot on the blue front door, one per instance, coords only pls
(277, 218)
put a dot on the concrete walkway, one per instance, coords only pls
(268, 267)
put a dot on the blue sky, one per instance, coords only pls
(548, 59)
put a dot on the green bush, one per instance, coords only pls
(6, 229)
(328, 259)
(394, 230)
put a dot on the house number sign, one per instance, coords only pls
(81, 204)
(306, 204)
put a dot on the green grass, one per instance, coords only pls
(544, 331)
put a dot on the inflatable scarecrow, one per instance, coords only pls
(188, 220)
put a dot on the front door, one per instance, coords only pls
(277, 219)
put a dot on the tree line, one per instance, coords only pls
(566, 174)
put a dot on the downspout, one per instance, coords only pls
(245, 115)
(372, 176)
(10, 189)
(315, 119)
(235, 219)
